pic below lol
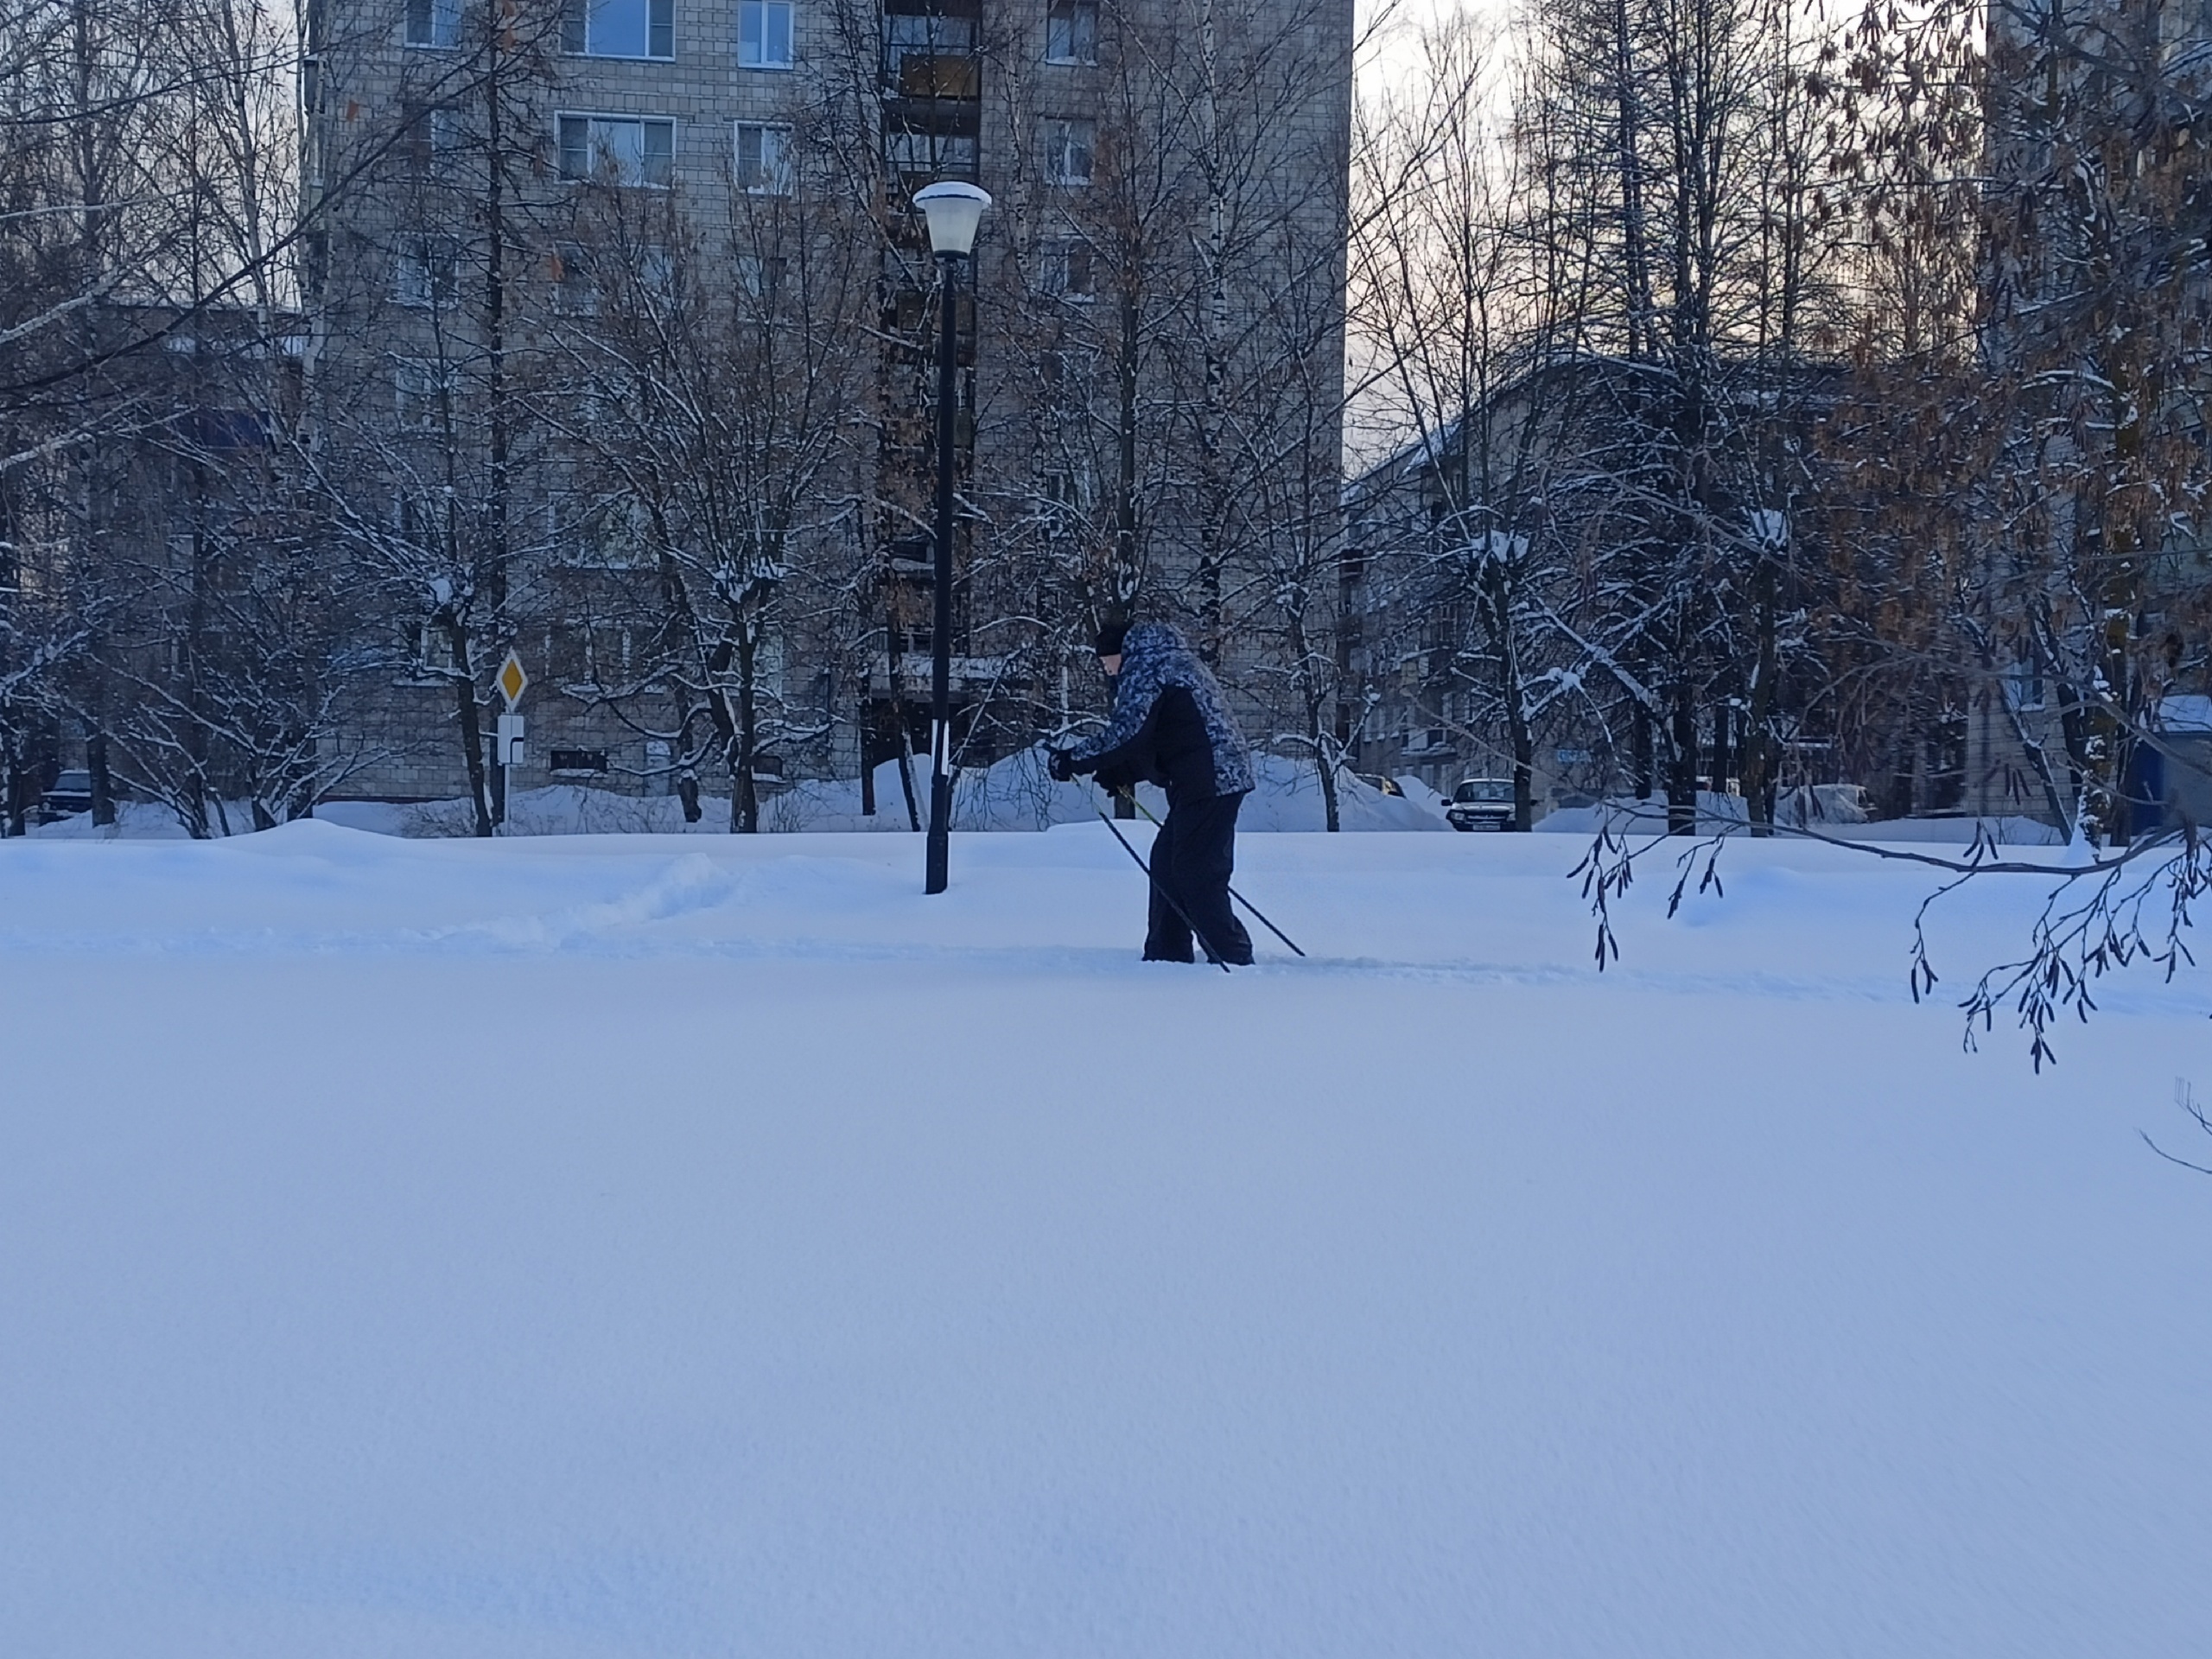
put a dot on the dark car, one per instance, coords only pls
(1481, 804)
(72, 793)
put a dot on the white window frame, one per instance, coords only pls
(761, 278)
(431, 136)
(1066, 141)
(767, 14)
(1066, 37)
(430, 25)
(426, 273)
(928, 37)
(773, 173)
(655, 272)
(940, 155)
(1070, 375)
(1062, 258)
(575, 284)
(578, 37)
(1069, 491)
(597, 130)
(423, 387)
(433, 664)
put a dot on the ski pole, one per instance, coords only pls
(1233, 894)
(1174, 903)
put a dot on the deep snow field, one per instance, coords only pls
(658, 1247)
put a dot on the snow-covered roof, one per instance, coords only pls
(2184, 713)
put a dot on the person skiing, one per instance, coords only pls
(1171, 726)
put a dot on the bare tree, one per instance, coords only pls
(422, 450)
(728, 419)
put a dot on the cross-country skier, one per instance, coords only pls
(1171, 726)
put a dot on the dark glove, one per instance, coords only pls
(1061, 765)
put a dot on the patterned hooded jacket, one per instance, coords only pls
(1171, 724)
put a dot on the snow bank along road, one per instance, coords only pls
(631, 1247)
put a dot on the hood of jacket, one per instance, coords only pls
(1155, 656)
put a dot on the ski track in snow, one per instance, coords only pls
(751, 898)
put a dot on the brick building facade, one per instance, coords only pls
(1150, 360)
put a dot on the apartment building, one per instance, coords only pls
(529, 207)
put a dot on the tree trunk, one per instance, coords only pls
(907, 776)
(495, 356)
(472, 727)
(1723, 712)
(868, 768)
(1757, 772)
(102, 778)
(1640, 748)
(1681, 762)
(1125, 478)
(744, 795)
(1525, 768)
(13, 821)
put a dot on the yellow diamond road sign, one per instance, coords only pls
(510, 680)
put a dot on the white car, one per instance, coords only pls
(1481, 804)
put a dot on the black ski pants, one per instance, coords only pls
(1192, 858)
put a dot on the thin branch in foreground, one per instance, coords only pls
(2184, 1098)
(2107, 914)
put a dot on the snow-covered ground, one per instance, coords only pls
(646, 1246)
(1012, 794)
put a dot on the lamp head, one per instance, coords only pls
(953, 209)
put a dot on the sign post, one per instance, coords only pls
(507, 744)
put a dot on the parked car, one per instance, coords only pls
(1481, 804)
(72, 793)
(1811, 806)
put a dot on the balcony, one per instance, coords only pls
(922, 75)
(972, 673)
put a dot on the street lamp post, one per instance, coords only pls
(953, 210)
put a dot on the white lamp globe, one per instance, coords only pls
(953, 209)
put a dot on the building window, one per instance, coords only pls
(432, 22)
(1068, 271)
(575, 289)
(578, 761)
(433, 652)
(764, 159)
(424, 388)
(761, 276)
(1071, 32)
(1070, 374)
(1066, 146)
(430, 138)
(620, 150)
(1068, 495)
(764, 33)
(426, 272)
(617, 28)
(656, 272)
(938, 154)
(908, 36)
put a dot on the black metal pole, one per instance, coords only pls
(941, 629)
